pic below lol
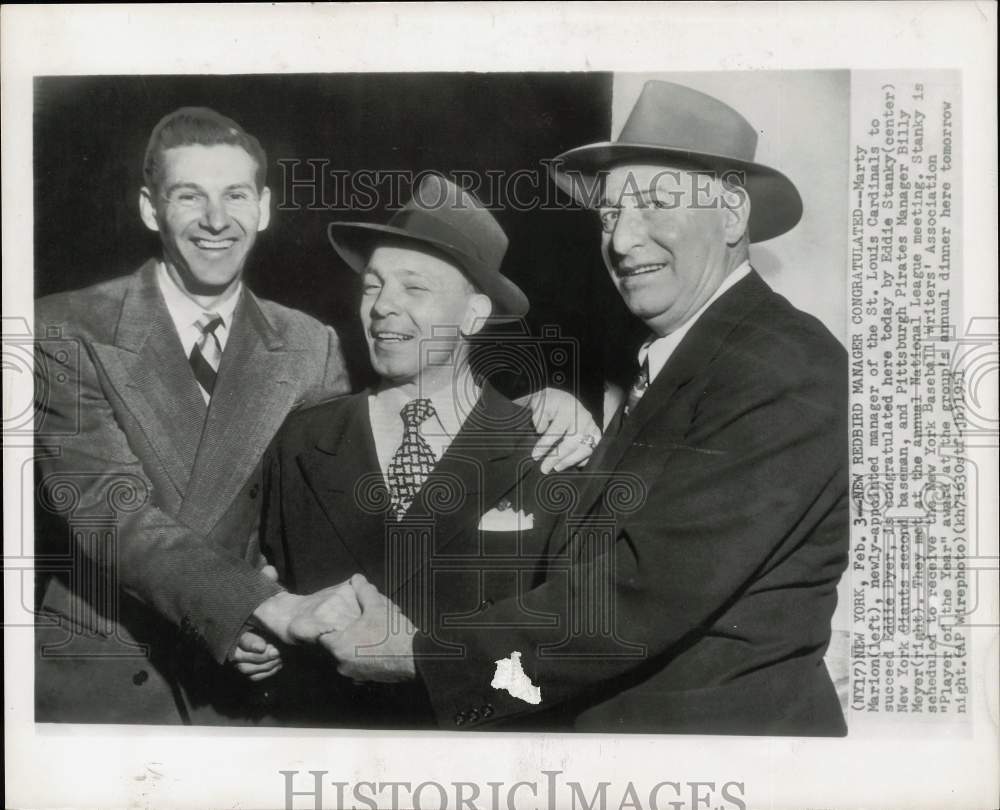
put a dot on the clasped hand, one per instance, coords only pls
(367, 634)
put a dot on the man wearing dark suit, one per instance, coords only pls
(158, 393)
(693, 577)
(423, 485)
(150, 431)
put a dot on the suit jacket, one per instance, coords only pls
(706, 541)
(325, 519)
(149, 500)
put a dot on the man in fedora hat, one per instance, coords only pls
(158, 394)
(712, 527)
(418, 488)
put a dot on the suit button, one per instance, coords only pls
(253, 491)
(473, 715)
(460, 719)
(486, 604)
(140, 677)
(487, 710)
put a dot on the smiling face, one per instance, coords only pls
(408, 297)
(670, 237)
(208, 212)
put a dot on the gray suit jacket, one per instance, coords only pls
(148, 500)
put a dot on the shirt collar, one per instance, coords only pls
(450, 414)
(659, 349)
(185, 312)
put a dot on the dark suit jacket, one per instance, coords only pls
(155, 496)
(325, 519)
(706, 541)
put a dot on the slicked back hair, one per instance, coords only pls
(188, 126)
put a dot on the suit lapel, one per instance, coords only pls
(342, 471)
(148, 368)
(253, 394)
(694, 353)
(484, 462)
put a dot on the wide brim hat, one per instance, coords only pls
(449, 221)
(676, 126)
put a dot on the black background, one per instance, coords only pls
(90, 134)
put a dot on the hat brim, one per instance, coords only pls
(775, 204)
(354, 241)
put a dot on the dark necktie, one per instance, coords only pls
(639, 386)
(207, 352)
(413, 461)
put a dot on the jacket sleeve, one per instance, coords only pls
(720, 504)
(271, 521)
(87, 469)
(336, 379)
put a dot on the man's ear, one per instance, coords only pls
(147, 209)
(264, 205)
(736, 204)
(479, 309)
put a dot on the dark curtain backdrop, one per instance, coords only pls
(90, 134)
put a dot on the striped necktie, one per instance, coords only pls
(413, 461)
(207, 352)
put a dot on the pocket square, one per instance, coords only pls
(504, 518)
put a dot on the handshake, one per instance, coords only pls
(366, 634)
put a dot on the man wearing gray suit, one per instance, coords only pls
(157, 395)
(179, 378)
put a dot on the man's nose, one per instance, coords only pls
(214, 216)
(629, 232)
(386, 303)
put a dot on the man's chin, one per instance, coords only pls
(641, 307)
(392, 372)
(659, 319)
(395, 380)
(209, 282)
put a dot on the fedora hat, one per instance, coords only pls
(674, 124)
(450, 221)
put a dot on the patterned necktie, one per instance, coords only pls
(207, 352)
(413, 461)
(638, 387)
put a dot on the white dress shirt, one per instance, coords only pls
(186, 312)
(658, 350)
(384, 405)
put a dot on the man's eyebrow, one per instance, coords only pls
(642, 196)
(188, 185)
(405, 272)
(411, 275)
